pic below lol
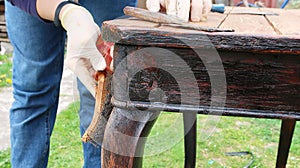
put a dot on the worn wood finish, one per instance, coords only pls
(287, 23)
(248, 25)
(3, 30)
(215, 19)
(123, 142)
(254, 37)
(254, 81)
(168, 19)
(158, 67)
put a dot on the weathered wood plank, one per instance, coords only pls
(253, 34)
(248, 24)
(259, 81)
(133, 22)
(4, 39)
(114, 32)
(215, 19)
(287, 23)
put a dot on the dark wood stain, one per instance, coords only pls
(172, 66)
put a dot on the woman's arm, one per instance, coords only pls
(44, 9)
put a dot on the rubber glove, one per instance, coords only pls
(195, 10)
(106, 49)
(82, 56)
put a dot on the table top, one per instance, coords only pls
(253, 33)
(258, 85)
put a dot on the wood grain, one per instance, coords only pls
(172, 68)
(248, 24)
(169, 20)
(260, 81)
(124, 138)
(254, 34)
(181, 38)
(215, 19)
(287, 23)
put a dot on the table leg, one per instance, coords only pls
(286, 135)
(190, 139)
(125, 137)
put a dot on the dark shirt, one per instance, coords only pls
(28, 6)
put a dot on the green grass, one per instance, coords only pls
(66, 148)
(231, 134)
(5, 70)
(164, 147)
(5, 80)
(5, 159)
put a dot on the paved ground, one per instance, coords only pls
(68, 94)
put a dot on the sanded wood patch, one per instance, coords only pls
(247, 23)
(216, 19)
(287, 22)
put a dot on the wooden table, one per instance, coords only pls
(252, 72)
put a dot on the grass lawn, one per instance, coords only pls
(5, 70)
(65, 142)
(5, 159)
(5, 80)
(66, 148)
(229, 134)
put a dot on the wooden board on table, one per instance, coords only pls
(133, 22)
(287, 22)
(215, 19)
(253, 33)
(247, 23)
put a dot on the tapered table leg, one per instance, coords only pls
(286, 135)
(125, 137)
(190, 139)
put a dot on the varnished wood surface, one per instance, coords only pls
(253, 33)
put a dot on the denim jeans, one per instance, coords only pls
(38, 57)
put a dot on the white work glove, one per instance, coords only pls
(195, 10)
(83, 57)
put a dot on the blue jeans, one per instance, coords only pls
(38, 57)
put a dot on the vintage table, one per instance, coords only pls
(252, 72)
